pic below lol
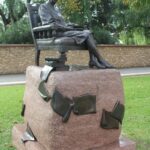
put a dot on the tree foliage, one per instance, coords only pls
(17, 33)
(137, 4)
(133, 21)
(109, 20)
(11, 11)
(96, 14)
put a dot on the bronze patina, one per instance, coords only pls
(50, 15)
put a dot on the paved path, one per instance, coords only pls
(12, 79)
(20, 78)
(135, 71)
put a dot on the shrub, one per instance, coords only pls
(17, 33)
(126, 38)
(136, 36)
(103, 36)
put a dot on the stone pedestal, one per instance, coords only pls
(80, 132)
(19, 129)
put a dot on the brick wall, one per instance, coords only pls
(15, 58)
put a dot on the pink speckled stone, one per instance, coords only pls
(18, 130)
(17, 133)
(80, 132)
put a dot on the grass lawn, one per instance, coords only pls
(136, 124)
(10, 108)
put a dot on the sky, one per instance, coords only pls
(1, 1)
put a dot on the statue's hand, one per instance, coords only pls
(62, 27)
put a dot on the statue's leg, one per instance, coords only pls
(94, 62)
(37, 57)
(92, 49)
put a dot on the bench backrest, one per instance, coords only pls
(34, 18)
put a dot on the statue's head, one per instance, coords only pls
(53, 1)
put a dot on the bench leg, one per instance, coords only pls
(37, 57)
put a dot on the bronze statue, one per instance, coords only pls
(49, 13)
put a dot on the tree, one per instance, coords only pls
(14, 25)
(124, 19)
(136, 24)
(96, 14)
(137, 4)
(11, 11)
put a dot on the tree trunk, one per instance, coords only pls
(5, 20)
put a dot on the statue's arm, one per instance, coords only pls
(45, 16)
(48, 20)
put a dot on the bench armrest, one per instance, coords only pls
(43, 28)
(52, 27)
(56, 27)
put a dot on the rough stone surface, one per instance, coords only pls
(122, 144)
(17, 133)
(80, 132)
(15, 58)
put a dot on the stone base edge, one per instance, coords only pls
(17, 133)
(19, 129)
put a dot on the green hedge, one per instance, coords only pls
(18, 33)
(103, 36)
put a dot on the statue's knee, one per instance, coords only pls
(87, 31)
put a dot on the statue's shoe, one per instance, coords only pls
(106, 64)
(95, 63)
(109, 66)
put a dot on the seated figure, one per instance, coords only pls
(49, 14)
